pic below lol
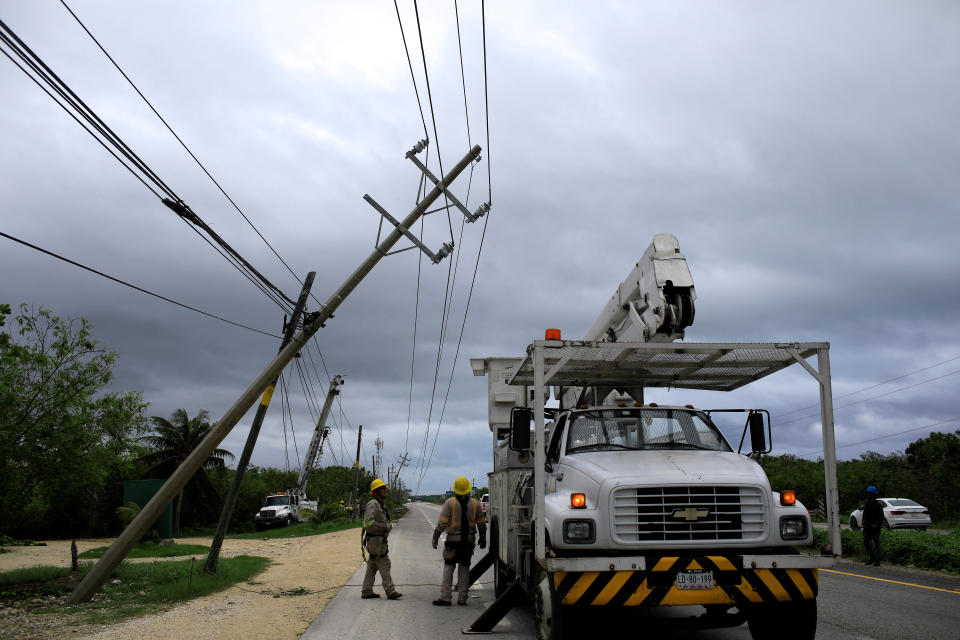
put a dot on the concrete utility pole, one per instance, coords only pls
(149, 513)
(214, 554)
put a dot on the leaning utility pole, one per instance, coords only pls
(99, 573)
(288, 330)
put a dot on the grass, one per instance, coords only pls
(152, 550)
(299, 530)
(141, 588)
(906, 548)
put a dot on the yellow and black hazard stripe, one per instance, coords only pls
(658, 585)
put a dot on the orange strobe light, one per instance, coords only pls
(552, 334)
(578, 501)
(788, 497)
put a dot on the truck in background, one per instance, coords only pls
(621, 507)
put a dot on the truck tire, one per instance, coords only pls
(784, 621)
(553, 620)
(289, 521)
(853, 523)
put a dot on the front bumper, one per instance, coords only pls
(739, 580)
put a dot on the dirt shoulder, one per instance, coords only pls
(311, 567)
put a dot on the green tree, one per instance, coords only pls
(170, 444)
(64, 443)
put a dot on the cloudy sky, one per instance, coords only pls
(804, 154)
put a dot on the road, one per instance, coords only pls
(856, 602)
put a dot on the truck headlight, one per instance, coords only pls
(793, 527)
(579, 531)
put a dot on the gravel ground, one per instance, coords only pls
(313, 568)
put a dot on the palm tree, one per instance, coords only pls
(172, 441)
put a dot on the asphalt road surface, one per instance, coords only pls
(856, 602)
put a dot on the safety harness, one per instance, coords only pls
(364, 536)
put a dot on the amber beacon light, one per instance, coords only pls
(578, 501)
(788, 497)
(552, 334)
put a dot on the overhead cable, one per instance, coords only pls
(874, 386)
(886, 435)
(433, 114)
(182, 143)
(133, 286)
(882, 395)
(68, 100)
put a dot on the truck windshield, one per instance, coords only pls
(276, 501)
(646, 428)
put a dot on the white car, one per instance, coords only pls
(898, 513)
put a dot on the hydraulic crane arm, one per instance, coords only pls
(316, 443)
(654, 303)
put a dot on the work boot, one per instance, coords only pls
(367, 596)
(441, 603)
(462, 602)
(396, 595)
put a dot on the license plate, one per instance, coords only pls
(695, 580)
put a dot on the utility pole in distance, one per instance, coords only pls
(356, 474)
(114, 555)
(214, 554)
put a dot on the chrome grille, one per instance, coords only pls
(268, 513)
(666, 514)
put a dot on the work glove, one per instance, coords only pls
(436, 539)
(483, 543)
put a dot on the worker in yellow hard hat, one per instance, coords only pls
(461, 518)
(376, 528)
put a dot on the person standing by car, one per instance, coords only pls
(376, 528)
(872, 525)
(462, 519)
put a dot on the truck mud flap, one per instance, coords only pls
(658, 586)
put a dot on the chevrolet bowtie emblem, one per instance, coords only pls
(691, 513)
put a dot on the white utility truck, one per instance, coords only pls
(618, 508)
(285, 508)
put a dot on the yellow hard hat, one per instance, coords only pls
(376, 484)
(461, 486)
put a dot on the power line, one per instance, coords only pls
(410, 64)
(182, 143)
(132, 286)
(134, 163)
(463, 76)
(888, 435)
(874, 386)
(882, 395)
(433, 114)
(486, 100)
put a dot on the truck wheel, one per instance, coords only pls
(289, 521)
(784, 621)
(853, 524)
(553, 619)
(258, 526)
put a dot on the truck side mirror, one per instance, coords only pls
(520, 418)
(758, 433)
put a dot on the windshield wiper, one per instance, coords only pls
(615, 445)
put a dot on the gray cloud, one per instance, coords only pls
(803, 155)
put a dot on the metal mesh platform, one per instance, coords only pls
(720, 366)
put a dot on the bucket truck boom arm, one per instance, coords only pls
(654, 303)
(316, 443)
